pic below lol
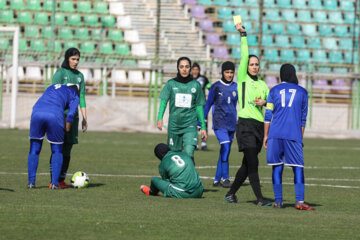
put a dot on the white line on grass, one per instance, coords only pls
(207, 177)
(306, 167)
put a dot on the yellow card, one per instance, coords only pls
(237, 19)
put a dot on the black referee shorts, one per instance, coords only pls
(249, 134)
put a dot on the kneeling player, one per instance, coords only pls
(285, 119)
(179, 179)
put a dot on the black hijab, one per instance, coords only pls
(227, 66)
(254, 77)
(161, 150)
(69, 53)
(179, 78)
(288, 74)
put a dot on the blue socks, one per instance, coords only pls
(222, 170)
(299, 182)
(56, 162)
(33, 159)
(277, 182)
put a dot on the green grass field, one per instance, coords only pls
(112, 207)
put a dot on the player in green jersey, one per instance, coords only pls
(69, 75)
(252, 92)
(179, 178)
(186, 103)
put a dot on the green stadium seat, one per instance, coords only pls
(220, 3)
(23, 44)
(46, 32)
(271, 55)
(3, 4)
(319, 56)
(309, 29)
(283, 3)
(330, 43)
(87, 47)
(243, 12)
(33, 5)
(288, 15)
(299, 4)
(4, 44)
(41, 18)
(65, 33)
(349, 18)
(281, 41)
(325, 30)
(128, 63)
(336, 17)
(277, 28)
(340, 31)
(298, 42)
(314, 42)
(254, 14)
(228, 26)
(224, 13)
(251, 28)
(251, 3)
(31, 31)
(24, 18)
(335, 57)
(252, 40)
(356, 58)
(66, 6)
(101, 7)
(349, 57)
(303, 16)
(265, 28)
(58, 47)
(346, 43)
(340, 70)
(91, 20)
(236, 53)
(81, 34)
(315, 4)
(330, 4)
(122, 49)
(320, 16)
(83, 7)
(269, 3)
(59, 19)
(254, 51)
(347, 5)
(235, 3)
(108, 21)
(205, 2)
(48, 5)
(287, 55)
(324, 69)
(70, 44)
(74, 20)
(303, 55)
(7, 16)
(37, 45)
(293, 29)
(106, 48)
(96, 34)
(272, 14)
(17, 4)
(233, 39)
(115, 35)
(267, 40)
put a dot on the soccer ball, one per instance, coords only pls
(79, 180)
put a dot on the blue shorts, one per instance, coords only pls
(224, 136)
(49, 123)
(282, 151)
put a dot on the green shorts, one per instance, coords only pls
(177, 141)
(74, 131)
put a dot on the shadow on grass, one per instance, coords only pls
(286, 205)
(211, 190)
(7, 189)
(95, 185)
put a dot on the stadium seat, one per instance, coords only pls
(252, 40)
(299, 4)
(41, 18)
(254, 51)
(293, 29)
(213, 39)
(315, 4)
(251, 28)
(340, 84)
(197, 12)
(288, 15)
(287, 55)
(236, 53)
(205, 2)
(106, 48)
(96, 34)
(283, 3)
(330, 4)
(243, 12)
(314, 42)
(271, 81)
(303, 55)
(349, 18)
(220, 3)
(33, 5)
(24, 18)
(335, 57)
(336, 17)
(320, 84)
(281, 41)
(221, 52)
(83, 7)
(33, 73)
(47, 5)
(330, 43)
(309, 29)
(74, 20)
(265, 28)
(136, 77)
(319, 56)
(108, 21)
(59, 19)
(271, 55)
(325, 30)
(341, 31)
(31, 31)
(206, 25)
(347, 5)
(115, 35)
(267, 40)
(101, 7)
(272, 14)
(346, 43)
(7, 16)
(66, 6)
(46, 32)
(138, 49)
(122, 49)
(87, 47)
(303, 16)
(65, 33)
(124, 21)
(118, 76)
(277, 28)
(4, 44)
(224, 13)
(57, 47)
(298, 42)
(91, 20)
(37, 45)
(269, 3)
(236, 3)
(190, 2)
(23, 46)
(320, 16)
(228, 26)
(131, 36)
(17, 4)
(251, 3)
(233, 39)
(70, 44)
(349, 57)
(81, 34)
(3, 4)
(254, 14)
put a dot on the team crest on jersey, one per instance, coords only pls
(193, 90)
(234, 93)
(65, 78)
(79, 79)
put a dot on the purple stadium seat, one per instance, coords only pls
(271, 81)
(198, 12)
(206, 25)
(320, 85)
(191, 2)
(340, 85)
(213, 38)
(302, 83)
(221, 52)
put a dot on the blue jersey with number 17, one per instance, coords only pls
(286, 109)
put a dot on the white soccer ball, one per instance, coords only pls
(79, 180)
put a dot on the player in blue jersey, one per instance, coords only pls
(48, 117)
(285, 118)
(223, 97)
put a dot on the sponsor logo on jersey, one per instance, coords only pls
(234, 93)
(79, 79)
(193, 90)
(220, 93)
(65, 78)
